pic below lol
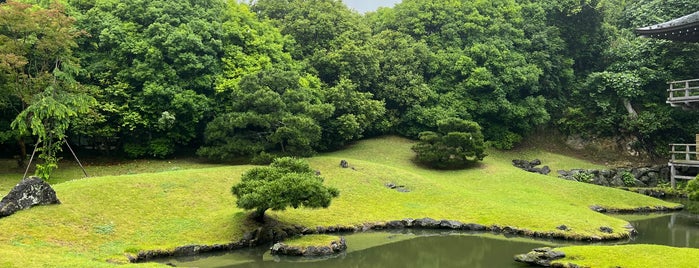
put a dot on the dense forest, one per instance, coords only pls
(232, 80)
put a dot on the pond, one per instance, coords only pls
(416, 248)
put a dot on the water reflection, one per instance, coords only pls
(418, 251)
(677, 229)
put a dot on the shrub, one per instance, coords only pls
(693, 189)
(457, 143)
(287, 182)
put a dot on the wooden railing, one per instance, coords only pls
(682, 155)
(683, 92)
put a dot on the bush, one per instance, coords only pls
(287, 182)
(457, 144)
(693, 189)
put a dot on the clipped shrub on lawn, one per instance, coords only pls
(456, 144)
(287, 182)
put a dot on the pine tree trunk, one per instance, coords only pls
(259, 214)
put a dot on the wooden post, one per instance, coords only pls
(672, 176)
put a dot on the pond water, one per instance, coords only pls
(412, 248)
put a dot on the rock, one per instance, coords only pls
(531, 166)
(399, 188)
(540, 256)
(402, 189)
(598, 209)
(336, 246)
(523, 164)
(606, 229)
(408, 222)
(29, 192)
(562, 227)
(395, 224)
(447, 224)
(545, 170)
(344, 164)
(474, 227)
(426, 223)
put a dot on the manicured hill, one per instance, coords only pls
(103, 218)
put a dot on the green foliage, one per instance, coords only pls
(583, 176)
(628, 178)
(493, 81)
(37, 56)
(692, 189)
(156, 62)
(287, 182)
(457, 144)
(274, 110)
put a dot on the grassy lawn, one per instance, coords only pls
(630, 256)
(10, 174)
(103, 218)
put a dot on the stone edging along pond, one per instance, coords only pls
(277, 232)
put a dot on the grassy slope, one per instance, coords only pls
(102, 218)
(494, 193)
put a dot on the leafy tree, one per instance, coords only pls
(37, 67)
(155, 63)
(287, 182)
(494, 81)
(401, 84)
(329, 37)
(273, 111)
(355, 114)
(623, 95)
(456, 144)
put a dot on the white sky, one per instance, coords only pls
(369, 5)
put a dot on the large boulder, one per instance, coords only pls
(31, 191)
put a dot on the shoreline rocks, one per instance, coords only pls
(269, 234)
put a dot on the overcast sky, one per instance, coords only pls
(369, 5)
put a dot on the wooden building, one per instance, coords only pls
(685, 93)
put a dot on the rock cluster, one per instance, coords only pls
(310, 251)
(620, 177)
(531, 166)
(399, 188)
(31, 191)
(540, 256)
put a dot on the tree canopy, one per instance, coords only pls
(234, 80)
(287, 182)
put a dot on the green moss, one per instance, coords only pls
(630, 256)
(312, 240)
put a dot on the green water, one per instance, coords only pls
(394, 250)
(436, 249)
